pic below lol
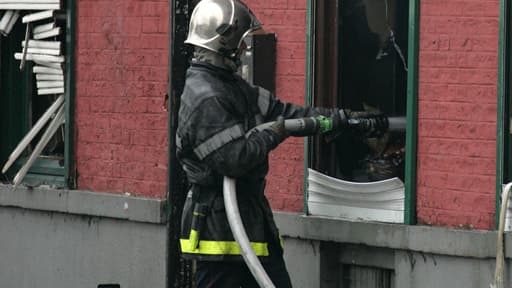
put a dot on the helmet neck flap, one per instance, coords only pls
(215, 59)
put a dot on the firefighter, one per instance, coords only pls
(217, 110)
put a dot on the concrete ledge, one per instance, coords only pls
(85, 203)
(435, 240)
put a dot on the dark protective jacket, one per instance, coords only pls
(217, 109)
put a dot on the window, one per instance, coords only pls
(504, 137)
(356, 266)
(505, 62)
(363, 55)
(354, 276)
(29, 92)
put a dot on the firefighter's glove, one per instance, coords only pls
(339, 124)
(277, 130)
(339, 120)
(368, 124)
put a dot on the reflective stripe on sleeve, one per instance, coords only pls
(218, 140)
(258, 119)
(263, 101)
(221, 247)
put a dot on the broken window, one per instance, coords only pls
(360, 52)
(506, 51)
(33, 96)
(360, 64)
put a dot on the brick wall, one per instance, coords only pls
(457, 108)
(122, 130)
(286, 18)
(122, 75)
(122, 71)
(457, 113)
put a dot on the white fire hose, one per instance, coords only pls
(237, 227)
(500, 253)
(233, 213)
(231, 204)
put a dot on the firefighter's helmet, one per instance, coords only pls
(221, 26)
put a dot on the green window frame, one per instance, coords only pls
(411, 101)
(16, 108)
(504, 138)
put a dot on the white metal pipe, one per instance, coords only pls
(7, 29)
(44, 44)
(45, 138)
(500, 253)
(33, 132)
(47, 34)
(47, 77)
(44, 27)
(37, 16)
(49, 84)
(30, 1)
(53, 52)
(47, 70)
(29, 6)
(52, 65)
(47, 91)
(6, 18)
(40, 57)
(25, 48)
(237, 227)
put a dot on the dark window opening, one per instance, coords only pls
(360, 63)
(507, 129)
(353, 276)
(27, 93)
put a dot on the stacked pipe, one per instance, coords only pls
(44, 52)
(29, 4)
(42, 47)
(7, 21)
(11, 13)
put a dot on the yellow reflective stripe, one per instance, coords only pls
(193, 239)
(220, 247)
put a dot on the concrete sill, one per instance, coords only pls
(426, 239)
(110, 205)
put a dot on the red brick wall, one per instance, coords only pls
(122, 71)
(288, 20)
(457, 113)
(122, 75)
(122, 130)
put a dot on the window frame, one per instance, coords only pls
(411, 106)
(503, 143)
(70, 93)
(45, 171)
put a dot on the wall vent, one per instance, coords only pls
(354, 276)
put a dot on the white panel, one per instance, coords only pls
(508, 215)
(28, 6)
(355, 213)
(372, 201)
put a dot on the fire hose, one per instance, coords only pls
(310, 124)
(500, 253)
